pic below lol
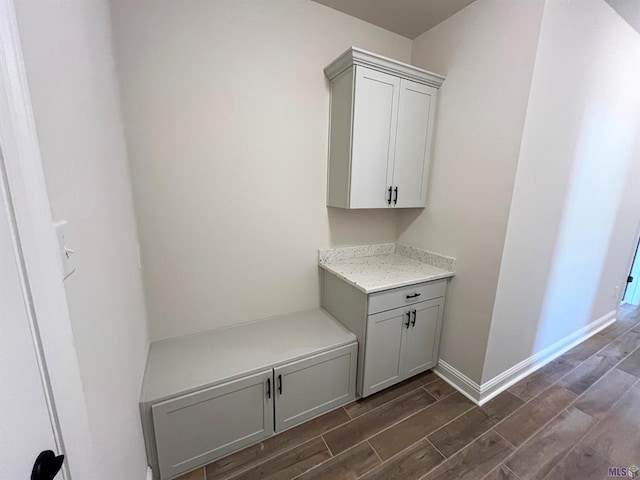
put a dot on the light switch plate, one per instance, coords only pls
(65, 248)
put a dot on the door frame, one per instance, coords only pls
(635, 262)
(36, 248)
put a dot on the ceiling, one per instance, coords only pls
(408, 18)
(629, 10)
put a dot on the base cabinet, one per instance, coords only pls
(309, 387)
(383, 356)
(401, 343)
(195, 429)
(421, 337)
(398, 329)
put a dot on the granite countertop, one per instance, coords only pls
(373, 268)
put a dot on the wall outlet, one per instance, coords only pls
(66, 251)
(616, 292)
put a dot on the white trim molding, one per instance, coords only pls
(482, 393)
(358, 56)
(458, 380)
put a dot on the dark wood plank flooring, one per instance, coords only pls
(572, 419)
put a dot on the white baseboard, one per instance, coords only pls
(481, 394)
(458, 380)
(149, 473)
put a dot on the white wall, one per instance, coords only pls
(226, 108)
(71, 75)
(576, 207)
(486, 51)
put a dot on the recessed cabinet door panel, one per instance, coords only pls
(197, 428)
(413, 143)
(422, 337)
(374, 136)
(383, 356)
(309, 387)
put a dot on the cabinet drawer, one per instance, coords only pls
(400, 297)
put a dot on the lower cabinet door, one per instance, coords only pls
(383, 355)
(314, 385)
(423, 334)
(197, 428)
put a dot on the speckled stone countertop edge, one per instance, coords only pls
(335, 260)
(390, 286)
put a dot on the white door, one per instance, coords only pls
(195, 429)
(374, 138)
(25, 425)
(384, 347)
(312, 386)
(421, 351)
(413, 143)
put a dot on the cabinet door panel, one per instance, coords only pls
(422, 337)
(383, 355)
(309, 387)
(195, 429)
(413, 143)
(374, 137)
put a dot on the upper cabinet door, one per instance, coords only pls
(413, 143)
(374, 137)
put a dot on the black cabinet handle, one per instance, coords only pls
(415, 295)
(280, 384)
(268, 388)
(408, 319)
(389, 199)
(415, 314)
(395, 200)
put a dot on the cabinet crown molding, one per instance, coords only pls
(358, 56)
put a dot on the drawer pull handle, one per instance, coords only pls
(268, 388)
(415, 314)
(395, 199)
(389, 199)
(280, 384)
(408, 319)
(415, 295)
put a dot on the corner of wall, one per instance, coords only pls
(521, 136)
(571, 74)
(127, 143)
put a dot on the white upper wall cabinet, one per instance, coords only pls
(381, 125)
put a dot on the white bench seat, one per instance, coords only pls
(247, 381)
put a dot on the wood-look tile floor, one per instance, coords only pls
(572, 419)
